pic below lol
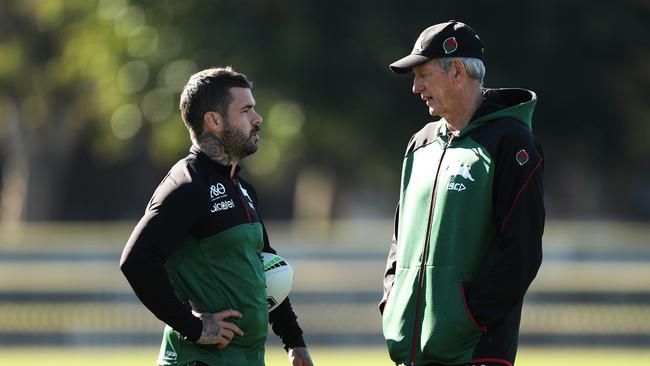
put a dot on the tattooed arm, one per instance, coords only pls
(216, 330)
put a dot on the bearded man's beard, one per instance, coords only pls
(238, 144)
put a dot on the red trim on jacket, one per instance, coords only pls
(514, 203)
(480, 327)
(495, 360)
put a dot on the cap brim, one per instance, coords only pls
(404, 65)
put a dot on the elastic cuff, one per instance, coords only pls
(192, 332)
(297, 341)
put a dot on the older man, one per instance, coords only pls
(468, 229)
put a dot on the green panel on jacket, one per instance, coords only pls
(218, 273)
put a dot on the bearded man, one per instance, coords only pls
(194, 259)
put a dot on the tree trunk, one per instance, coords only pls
(34, 168)
(14, 168)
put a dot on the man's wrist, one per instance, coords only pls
(297, 341)
(193, 330)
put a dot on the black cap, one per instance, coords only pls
(450, 39)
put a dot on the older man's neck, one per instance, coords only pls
(470, 100)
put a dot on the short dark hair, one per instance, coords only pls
(209, 90)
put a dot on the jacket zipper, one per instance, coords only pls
(241, 199)
(414, 342)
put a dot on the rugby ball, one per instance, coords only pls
(279, 279)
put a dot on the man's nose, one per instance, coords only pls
(418, 86)
(258, 119)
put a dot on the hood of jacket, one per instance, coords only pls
(500, 103)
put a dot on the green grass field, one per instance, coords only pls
(322, 357)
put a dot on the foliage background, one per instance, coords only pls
(89, 93)
(89, 125)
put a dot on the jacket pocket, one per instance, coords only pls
(399, 314)
(449, 334)
(481, 328)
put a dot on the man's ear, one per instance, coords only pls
(213, 121)
(458, 70)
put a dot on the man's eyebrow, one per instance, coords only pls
(249, 105)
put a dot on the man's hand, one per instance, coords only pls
(216, 330)
(299, 356)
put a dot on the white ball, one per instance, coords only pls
(279, 279)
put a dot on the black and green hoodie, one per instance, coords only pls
(468, 234)
(200, 240)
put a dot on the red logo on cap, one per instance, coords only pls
(450, 45)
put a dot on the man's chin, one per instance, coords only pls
(433, 112)
(250, 150)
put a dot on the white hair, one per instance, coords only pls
(475, 67)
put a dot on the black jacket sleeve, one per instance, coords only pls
(391, 265)
(161, 230)
(283, 320)
(285, 325)
(519, 213)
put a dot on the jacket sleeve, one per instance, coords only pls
(284, 323)
(283, 320)
(161, 230)
(391, 265)
(519, 213)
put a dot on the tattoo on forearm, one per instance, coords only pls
(210, 332)
(214, 148)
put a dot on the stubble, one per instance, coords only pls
(237, 144)
(234, 146)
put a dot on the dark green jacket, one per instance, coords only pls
(467, 237)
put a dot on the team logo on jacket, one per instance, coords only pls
(522, 157)
(460, 169)
(248, 197)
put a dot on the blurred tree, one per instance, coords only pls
(46, 98)
(74, 78)
(64, 83)
(89, 93)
